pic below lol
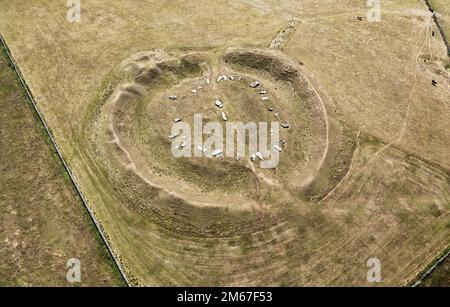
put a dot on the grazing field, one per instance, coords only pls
(440, 277)
(443, 9)
(364, 171)
(44, 223)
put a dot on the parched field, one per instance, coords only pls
(43, 221)
(364, 172)
(440, 277)
(443, 9)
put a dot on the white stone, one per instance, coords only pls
(216, 153)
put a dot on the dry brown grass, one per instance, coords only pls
(394, 202)
(441, 276)
(44, 222)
